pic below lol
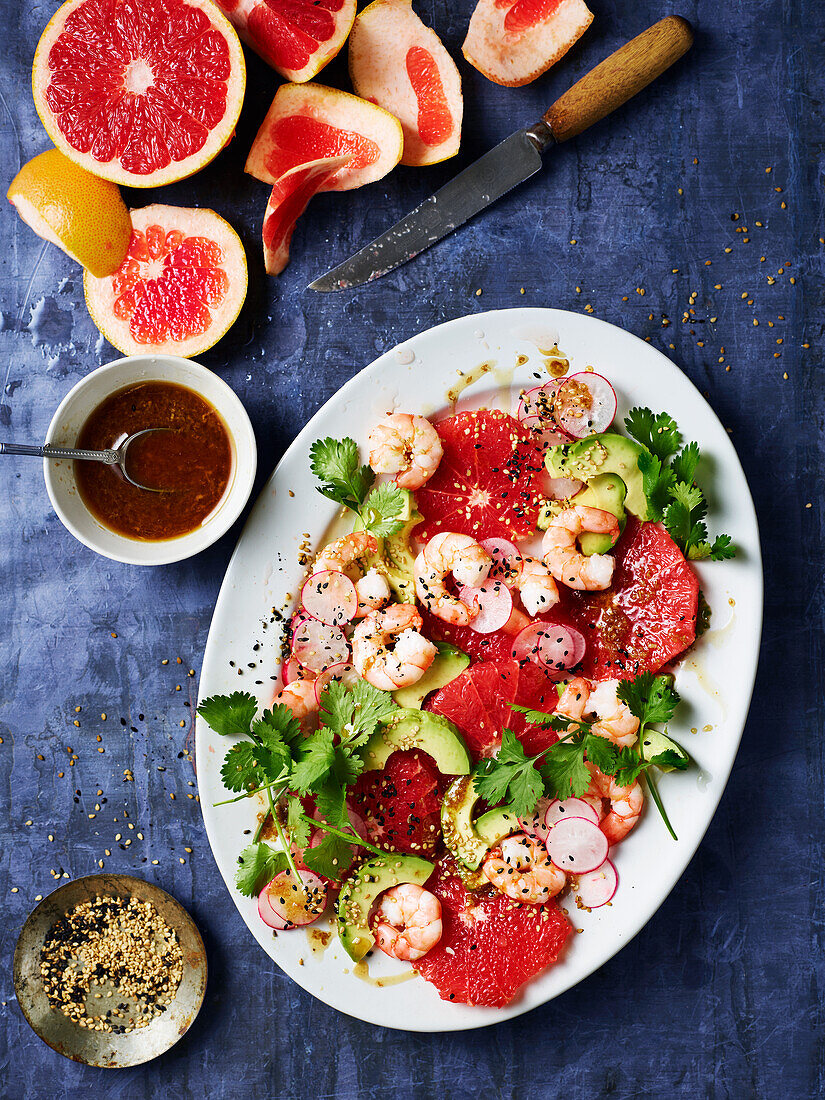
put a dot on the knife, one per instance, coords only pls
(616, 80)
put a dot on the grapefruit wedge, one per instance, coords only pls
(513, 41)
(140, 92)
(398, 62)
(181, 286)
(289, 199)
(309, 122)
(296, 37)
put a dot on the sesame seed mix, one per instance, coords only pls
(111, 964)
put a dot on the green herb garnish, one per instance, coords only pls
(336, 465)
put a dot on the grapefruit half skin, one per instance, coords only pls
(180, 288)
(401, 64)
(140, 92)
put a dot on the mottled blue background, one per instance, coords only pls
(721, 995)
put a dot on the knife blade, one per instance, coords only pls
(612, 83)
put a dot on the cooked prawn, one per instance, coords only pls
(626, 803)
(450, 553)
(520, 868)
(405, 445)
(591, 573)
(408, 922)
(387, 649)
(536, 586)
(299, 696)
(613, 719)
(373, 590)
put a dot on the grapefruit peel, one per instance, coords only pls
(512, 43)
(180, 288)
(142, 100)
(401, 64)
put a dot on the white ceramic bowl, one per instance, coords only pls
(73, 411)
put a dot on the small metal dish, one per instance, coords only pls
(100, 1048)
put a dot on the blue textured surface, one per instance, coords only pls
(721, 995)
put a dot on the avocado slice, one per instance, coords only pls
(449, 662)
(419, 729)
(607, 453)
(398, 553)
(468, 840)
(656, 745)
(360, 891)
(605, 491)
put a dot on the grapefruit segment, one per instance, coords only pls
(489, 947)
(296, 37)
(395, 60)
(513, 41)
(488, 483)
(287, 202)
(309, 122)
(140, 92)
(401, 804)
(181, 286)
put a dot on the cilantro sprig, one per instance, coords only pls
(343, 479)
(276, 759)
(668, 476)
(561, 771)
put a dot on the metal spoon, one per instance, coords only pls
(112, 457)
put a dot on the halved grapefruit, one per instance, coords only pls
(513, 41)
(287, 202)
(141, 92)
(489, 481)
(181, 286)
(296, 37)
(309, 122)
(397, 61)
(489, 946)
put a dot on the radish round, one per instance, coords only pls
(318, 646)
(284, 903)
(570, 807)
(562, 488)
(535, 825)
(598, 887)
(291, 671)
(507, 561)
(585, 403)
(495, 602)
(576, 845)
(330, 597)
(579, 644)
(536, 408)
(549, 645)
(338, 674)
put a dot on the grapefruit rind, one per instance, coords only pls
(518, 57)
(218, 136)
(288, 200)
(250, 16)
(101, 296)
(382, 37)
(349, 125)
(82, 214)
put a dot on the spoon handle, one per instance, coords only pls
(109, 457)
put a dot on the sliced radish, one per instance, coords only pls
(549, 645)
(495, 602)
(535, 825)
(578, 642)
(562, 488)
(291, 671)
(598, 887)
(330, 597)
(339, 674)
(507, 561)
(576, 845)
(284, 903)
(585, 403)
(571, 807)
(318, 646)
(535, 409)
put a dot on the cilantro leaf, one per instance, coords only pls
(510, 776)
(335, 463)
(299, 829)
(247, 765)
(656, 482)
(601, 752)
(258, 864)
(658, 432)
(541, 719)
(278, 726)
(353, 712)
(565, 773)
(330, 858)
(685, 463)
(381, 508)
(722, 548)
(649, 698)
(317, 757)
(229, 714)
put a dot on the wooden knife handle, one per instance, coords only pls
(619, 77)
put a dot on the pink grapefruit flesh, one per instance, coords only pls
(397, 61)
(289, 199)
(296, 37)
(181, 286)
(513, 41)
(141, 92)
(309, 122)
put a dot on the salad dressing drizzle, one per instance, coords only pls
(361, 970)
